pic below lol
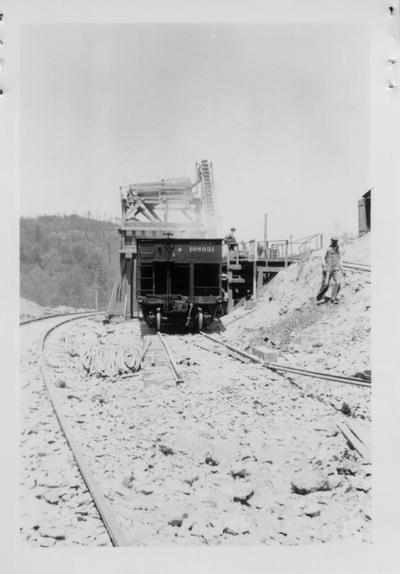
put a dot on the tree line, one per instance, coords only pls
(68, 260)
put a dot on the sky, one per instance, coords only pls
(281, 110)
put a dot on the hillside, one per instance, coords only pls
(287, 320)
(63, 258)
(29, 309)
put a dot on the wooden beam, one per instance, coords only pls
(356, 438)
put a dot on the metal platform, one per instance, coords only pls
(174, 208)
(250, 265)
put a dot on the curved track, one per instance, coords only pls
(157, 343)
(115, 533)
(53, 316)
(165, 419)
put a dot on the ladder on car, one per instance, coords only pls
(208, 195)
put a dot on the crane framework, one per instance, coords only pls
(170, 207)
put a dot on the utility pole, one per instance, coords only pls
(265, 232)
(109, 269)
(96, 292)
(254, 269)
(229, 279)
(266, 242)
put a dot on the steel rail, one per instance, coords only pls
(177, 375)
(354, 439)
(227, 323)
(113, 528)
(43, 317)
(357, 266)
(295, 370)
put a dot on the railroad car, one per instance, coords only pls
(179, 281)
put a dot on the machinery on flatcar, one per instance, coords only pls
(179, 281)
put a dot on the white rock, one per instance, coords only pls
(263, 499)
(52, 497)
(359, 483)
(47, 542)
(312, 510)
(54, 532)
(242, 491)
(308, 481)
(235, 524)
(239, 470)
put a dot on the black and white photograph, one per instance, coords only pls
(197, 204)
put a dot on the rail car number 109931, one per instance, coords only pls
(201, 248)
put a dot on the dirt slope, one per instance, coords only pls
(287, 319)
(358, 251)
(29, 309)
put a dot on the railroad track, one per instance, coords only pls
(184, 406)
(158, 361)
(53, 316)
(327, 396)
(356, 436)
(357, 266)
(158, 366)
(293, 370)
(106, 514)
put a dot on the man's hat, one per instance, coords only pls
(334, 238)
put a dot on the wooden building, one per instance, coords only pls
(364, 213)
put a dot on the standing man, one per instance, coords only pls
(332, 270)
(230, 240)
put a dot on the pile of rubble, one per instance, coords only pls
(105, 360)
(237, 454)
(287, 319)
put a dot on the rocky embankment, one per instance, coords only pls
(29, 309)
(325, 337)
(236, 454)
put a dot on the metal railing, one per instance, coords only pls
(278, 249)
(304, 245)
